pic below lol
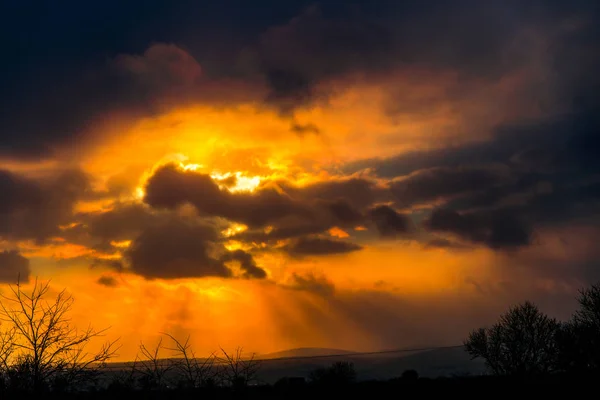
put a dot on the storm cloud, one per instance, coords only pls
(316, 246)
(14, 267)
(437, 160)
(34, 208)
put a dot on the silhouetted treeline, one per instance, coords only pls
(526, 342)
(42, 356)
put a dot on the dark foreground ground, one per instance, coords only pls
(471, 387)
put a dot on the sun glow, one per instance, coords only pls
(190, 167)
(234, 229)
(122, 244)
(236, 181)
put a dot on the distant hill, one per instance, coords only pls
(430, 363)
(304, 352)
(301, 362)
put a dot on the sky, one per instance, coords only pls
(360, 175)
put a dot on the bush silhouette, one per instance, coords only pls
(339, 373)
(521, 343)
(410, 375)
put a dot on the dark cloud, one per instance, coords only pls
(121, 223)
(288, 209)
(150, 60)
(312, 282)
(311, 47)
(357, 192)
(295, 229)
(13, 267)
(342, 212)
(107, 281)
(176, 250)
(325, 215)
(555, 179)
(496, 229)
(316, 246)
(247, 263)
(432, 184)
(389, 222)
(102, 230)
(488, 41)
(34, 208)
(445, 244)
(171, 187)
(303, 129)
(128, 85)
(185, 249)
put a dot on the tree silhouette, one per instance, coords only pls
(237, 371)
(522, 342)
(192, 372)
(40, 348)
(338, 374)
(410, 375)
(151, 367)
(579, 339)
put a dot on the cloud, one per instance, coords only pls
(303, 129)
(389, 222)
(315, 246)
(428, 185)
(108, 281)
(291, 63)
(171, 187)
(247, 263)
(297, 55)
(126, 87)
(185, 249)
(176, 250)
(445, 244)
(123, 222)
(312, 282)
(498, 230)
(34, 208)
(302, 60)
(13, 267)
(357, 192)
(288, 209)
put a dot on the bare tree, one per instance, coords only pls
(522, 342)
(191, 371)
(43, 342)
(7, 347)
(579, 339)
(6, 350)
(589, 307)
(152, 368)
(238, 371)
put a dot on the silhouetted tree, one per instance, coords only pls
(7, 347)
(237, 371)
(410, 375)
(151, 369)
(578, 340)
(339, 373)
(192, 372)
(40, 348)
(522, 342)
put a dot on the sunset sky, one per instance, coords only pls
(360, 175)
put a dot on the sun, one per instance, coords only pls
(232, 181)
(242, 182)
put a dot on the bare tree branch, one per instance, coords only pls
(43, 339)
